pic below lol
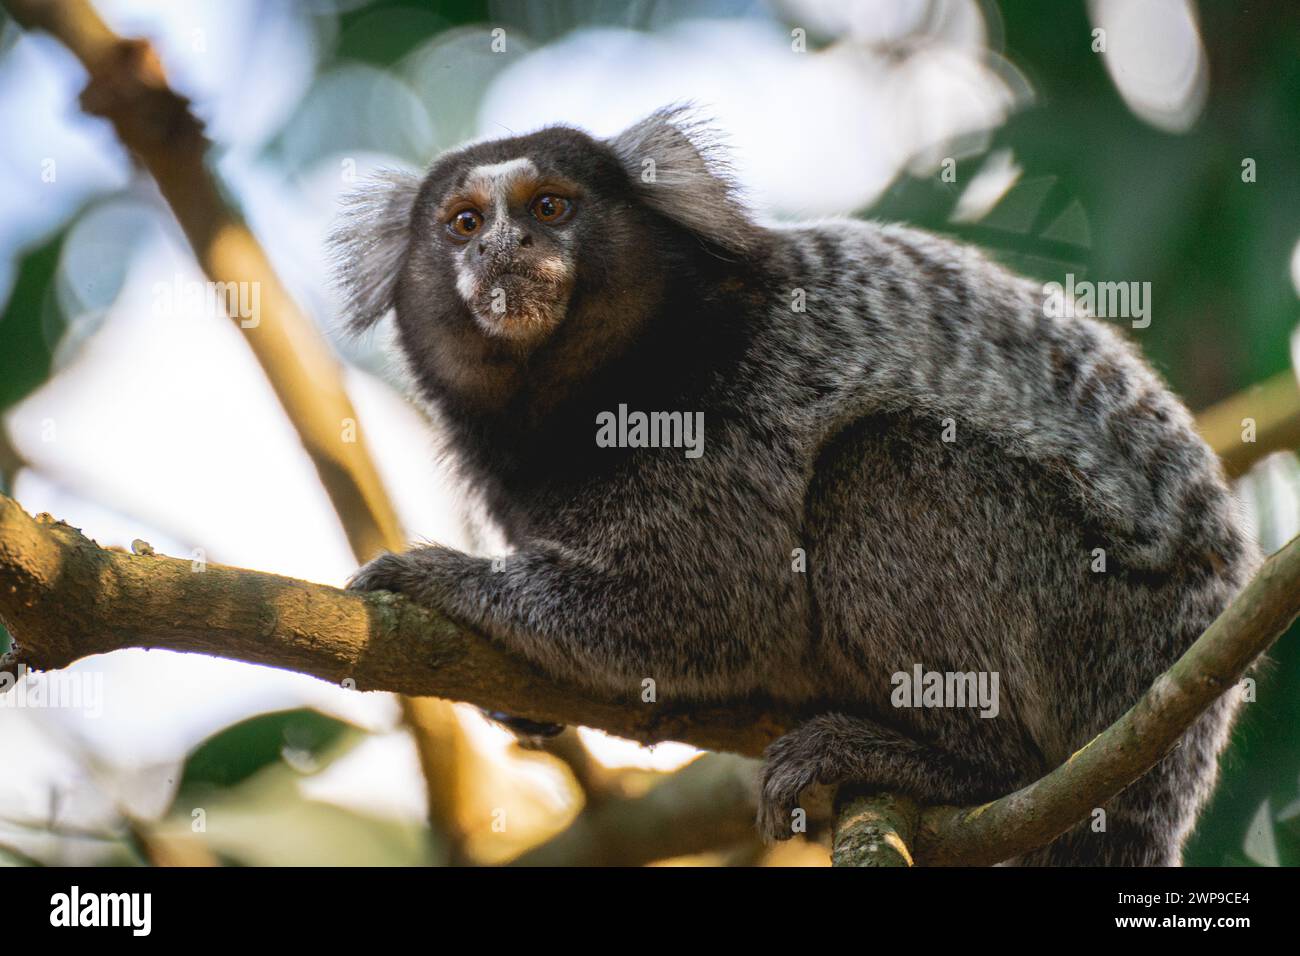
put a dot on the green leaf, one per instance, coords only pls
(24, 356)
(291, 737)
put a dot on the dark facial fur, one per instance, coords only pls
(823, 436)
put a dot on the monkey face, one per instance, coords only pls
(539, 258)
(512, 231)
(507, 229)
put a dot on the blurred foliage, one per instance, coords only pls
(405, 25)
(24, 355)
(241, 789)
(241, 750)
(1165, 208)
(1259, 775)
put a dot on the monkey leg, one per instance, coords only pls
(834, 749)
(606, 630)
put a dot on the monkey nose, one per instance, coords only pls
(494, 246)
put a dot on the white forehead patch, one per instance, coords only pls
(507, 170)
(496, 179)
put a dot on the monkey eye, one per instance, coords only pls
(465, 223)
(550, 209)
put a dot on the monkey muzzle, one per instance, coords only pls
(514, 291)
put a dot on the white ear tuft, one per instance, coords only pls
(674, 159)
(369, 244)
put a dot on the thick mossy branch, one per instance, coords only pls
(875, 831)
(64, 598)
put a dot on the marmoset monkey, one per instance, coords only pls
(907, 466)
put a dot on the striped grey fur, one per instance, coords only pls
(824, 435)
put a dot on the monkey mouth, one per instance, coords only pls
(510, 280)
(519, 303)
(548, 275)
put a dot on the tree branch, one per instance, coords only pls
(64, 598)
(1274, 407)
(875, 831)
(709, 803)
